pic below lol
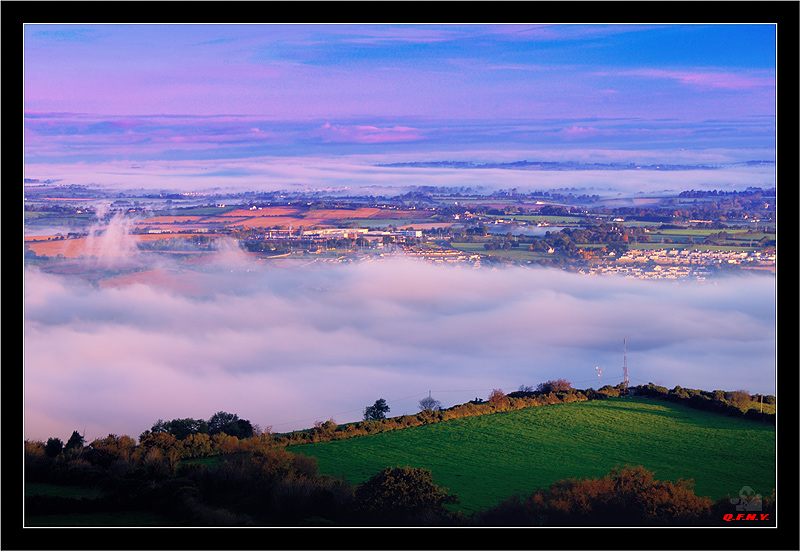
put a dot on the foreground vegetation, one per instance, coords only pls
(522, 450)
(560, 464)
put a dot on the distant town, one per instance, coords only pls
(692, 234)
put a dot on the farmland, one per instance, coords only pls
(577, 233)
(487, 458)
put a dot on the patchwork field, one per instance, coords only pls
(283, 217)
(87, 246)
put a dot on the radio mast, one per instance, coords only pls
(624, 367)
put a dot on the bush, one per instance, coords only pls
(738, 398)
(401, 496)
(608, 391)
(627, 496)
(556, 385)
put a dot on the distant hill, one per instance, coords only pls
(552, 165)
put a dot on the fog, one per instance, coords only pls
(285, 344)
(361, 176)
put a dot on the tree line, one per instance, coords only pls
(194, 472)
(269, 486)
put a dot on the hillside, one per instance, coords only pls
(501, 458)
(487, 458)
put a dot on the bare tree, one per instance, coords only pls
(429, 403)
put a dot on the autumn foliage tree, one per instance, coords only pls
(554, 385)
(627, 496)
(498, 399)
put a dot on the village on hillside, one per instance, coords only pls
(691, 235)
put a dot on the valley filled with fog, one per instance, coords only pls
(141, 119)
(285, 344)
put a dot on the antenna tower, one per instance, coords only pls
(625, 367)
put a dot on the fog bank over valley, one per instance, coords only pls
(359, 175)
(189, 191)
(286, 344)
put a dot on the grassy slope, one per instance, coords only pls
(487, 458)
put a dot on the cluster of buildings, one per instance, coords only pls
(691, 257)
(355, 233)
(678, 264)
(641, 272)
(445, 256)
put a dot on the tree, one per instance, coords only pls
(230, 424)
(498, 398)
(401, 495)
(180, 428)
(75, 441)
(53, 447)
(557, 385)
(430, 403)
(376, 411)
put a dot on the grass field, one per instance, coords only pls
(75, 492)
(485, 459)
(518, 254)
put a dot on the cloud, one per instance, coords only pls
(706, 79)
(368, 134)
(580, 132)
(283, 345)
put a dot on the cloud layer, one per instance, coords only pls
(284, 346)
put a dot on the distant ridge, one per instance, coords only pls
(555, 165)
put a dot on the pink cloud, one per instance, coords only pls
(704, 79)
(580, 132)
(368, 134)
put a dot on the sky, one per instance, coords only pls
(319, 107)
(122, 98)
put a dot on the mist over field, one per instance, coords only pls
(360, 176)
(284, 345)
(305, 108)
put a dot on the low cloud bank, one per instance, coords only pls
(359, 175)
(284, 345)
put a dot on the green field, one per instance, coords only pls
(75, 492)
(487, 458)
(562, 219)
(518, 254)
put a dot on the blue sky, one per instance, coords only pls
(100, 93)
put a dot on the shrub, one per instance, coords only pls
(555, 385)
(401, 496)
(498, 400)
(608, 390)
(738, 398)
(627, 496)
